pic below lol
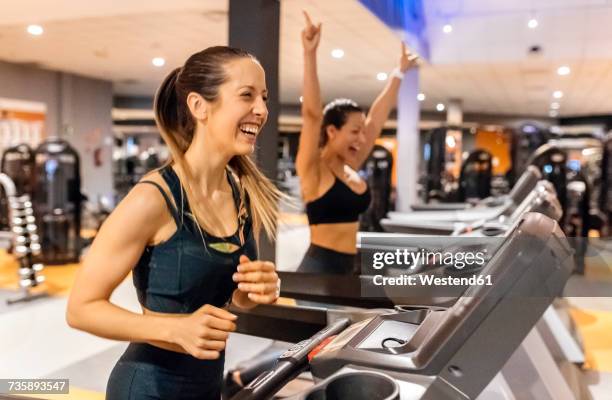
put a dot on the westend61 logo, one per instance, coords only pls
(424, 258)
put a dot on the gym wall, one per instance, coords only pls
(82, 104)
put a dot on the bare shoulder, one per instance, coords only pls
(145, 202)
(310, 180)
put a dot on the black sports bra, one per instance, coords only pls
(338, 204)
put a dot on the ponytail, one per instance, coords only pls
(168, 116)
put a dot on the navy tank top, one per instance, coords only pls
(185, 272)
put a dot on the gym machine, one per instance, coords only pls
(17, 162)
(57, 200)
(436, 353)
(377, 169)
(475, 177)
(446, 222)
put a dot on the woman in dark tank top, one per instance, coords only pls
(188, 234)
(334, 143)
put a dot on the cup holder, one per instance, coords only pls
(355, 386)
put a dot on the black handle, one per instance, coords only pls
(290, 364)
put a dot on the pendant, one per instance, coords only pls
(225, 247)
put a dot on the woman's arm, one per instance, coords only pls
(307, 159)
(112, 256)
(384, 103)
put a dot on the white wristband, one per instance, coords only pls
(397, 74)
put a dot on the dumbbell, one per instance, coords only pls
(25, 240)
(24, 283)
(23, 213)
(22, 251)
(29, 219)
(28, 229)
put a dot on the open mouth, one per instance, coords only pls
(249, 129)
(353, 149)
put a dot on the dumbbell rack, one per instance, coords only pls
(26, 246)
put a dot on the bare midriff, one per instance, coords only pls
(341, 237)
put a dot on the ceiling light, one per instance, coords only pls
(35, 30)
(301, 99)
(381, 76)
(555, 106)
(421, 96)
(553, 113)
(440, 107)
(337, 53)
(557, 94)
(563, 70)
(158, 62)
(447, 28)
(533, 23)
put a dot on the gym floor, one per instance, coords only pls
(36, 342)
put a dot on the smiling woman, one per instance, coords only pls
(334, 143)
(185, 270)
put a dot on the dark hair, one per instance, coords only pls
(336, 113)
(203, 73)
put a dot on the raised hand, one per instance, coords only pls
(311, 34)
(407, 60)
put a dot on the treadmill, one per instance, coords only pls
(445, 222)
(541, 199)
(519, 191)
(443, 353)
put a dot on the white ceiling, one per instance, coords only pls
(483, 61)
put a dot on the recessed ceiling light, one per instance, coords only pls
(440, 107)
(557, 94)
(381, 76)
(553, 113)
(563, 70)
(421, 96)
(533, 23)
(555, 106)
(337, 53)
(447, 28)
(158, 61)
(35, 30)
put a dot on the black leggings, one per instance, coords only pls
(146, 372)
(326, 261)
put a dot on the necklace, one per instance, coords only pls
(223, 247)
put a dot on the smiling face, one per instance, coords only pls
(237, 116)
(347, 141)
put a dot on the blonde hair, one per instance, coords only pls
(203, 73)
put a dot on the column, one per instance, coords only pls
(408, 110)
(254, 25)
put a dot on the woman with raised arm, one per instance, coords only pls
(334, 143)
(187, 232)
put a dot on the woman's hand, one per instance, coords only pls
(407, 60)
(258, 283)
(203, 333)
(311, 34)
